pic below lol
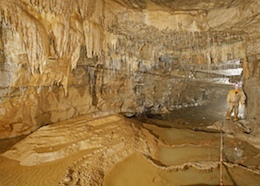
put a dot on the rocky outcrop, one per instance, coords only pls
(60, 60)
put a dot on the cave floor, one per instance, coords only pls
(97, 149)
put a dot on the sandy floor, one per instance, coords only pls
(136, 170)
(14, 174)
(115, 151)
(52, 154)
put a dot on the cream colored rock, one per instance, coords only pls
(148, 44)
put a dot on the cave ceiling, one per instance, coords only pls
(218, 15)
(184, 5)
(50, 47)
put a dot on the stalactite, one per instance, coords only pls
(35, 23)
(67, 26)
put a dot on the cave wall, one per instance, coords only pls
(252, 80)
(252, 83)
(59, 60)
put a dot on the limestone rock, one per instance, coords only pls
(60, 60)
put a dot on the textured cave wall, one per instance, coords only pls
(63, 59)
(252, 83)
(41, 42)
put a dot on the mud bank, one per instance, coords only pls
(114, 150)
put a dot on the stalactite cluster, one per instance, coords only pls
(107, 53)
(51, 33)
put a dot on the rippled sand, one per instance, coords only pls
(112, 150)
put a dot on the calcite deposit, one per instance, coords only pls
(63, 59)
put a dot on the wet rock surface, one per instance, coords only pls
(166, 65)
(58, 61)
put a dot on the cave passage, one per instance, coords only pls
(129, 92)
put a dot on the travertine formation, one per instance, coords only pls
(60, 59)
